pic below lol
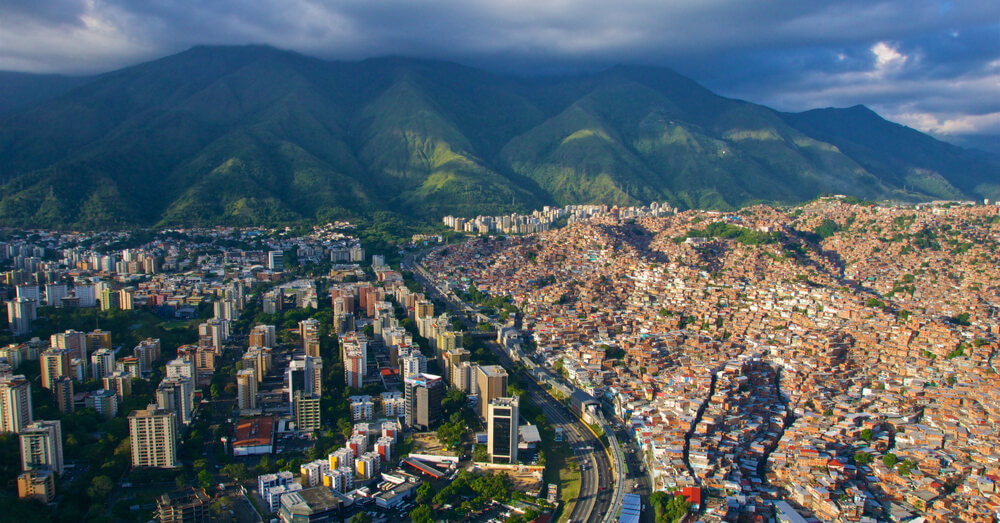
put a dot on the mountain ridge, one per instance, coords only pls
(254, 134)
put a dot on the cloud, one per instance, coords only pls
(891, 54)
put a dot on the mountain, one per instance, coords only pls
(19, 91)
(244, 135)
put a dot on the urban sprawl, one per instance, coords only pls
(832, 361)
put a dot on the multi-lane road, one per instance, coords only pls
(595, 497)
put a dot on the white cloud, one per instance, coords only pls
(887, 58)
(945, 125)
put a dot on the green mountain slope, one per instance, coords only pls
(242, 135)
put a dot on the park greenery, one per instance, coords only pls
(667, 508)
(727, 231)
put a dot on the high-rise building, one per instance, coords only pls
(260, 359)
(74, 341)
(453, 358)
(412, 364)
(314, 375)
(62, 389)
(262, 336)
(172, 394)
(491, 382)
(109, 299)
(306, 410)
(246, 386)
(15, 403)
(183, 371)
(102, 363)
(41, 446)
(55, 364)
(153, 434)
(147, 352)
(423, 400)
(125, 299)
(119, 382)
(276, 260)
(19, 313)
(54, 293)
(502, 426)
(86, 295)
(98, 339)
(464, 376)
(309, 332)
(105, 402)
(213, 333)
(37, 484)
(354, 350)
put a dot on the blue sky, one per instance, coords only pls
(932, 65)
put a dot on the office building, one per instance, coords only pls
(41, 446)
(15, 403)
(502, 425)
(276, 260)
(491, 383)
(423, 401)
(153, 434)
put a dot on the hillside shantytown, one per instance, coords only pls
(834, 360)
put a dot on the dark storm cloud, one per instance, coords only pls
(932, 64)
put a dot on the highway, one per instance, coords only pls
(594, 499)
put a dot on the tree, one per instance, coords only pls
(424, 493)
(361, 517)
(668, 508)
(890, 460)
(422, 514)
(100, 487)
(866, 434)
(862, 458)
(236, 471)
(480, 453)
(454, 400)
(205, 479)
